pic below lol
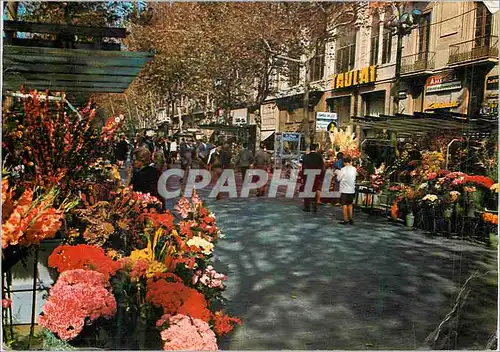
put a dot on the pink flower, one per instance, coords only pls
(6, 303)
(209, 278)
(183, 207)
(196, 200)
(77, 296)
(185, 333)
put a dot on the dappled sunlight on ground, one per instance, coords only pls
(302, 281)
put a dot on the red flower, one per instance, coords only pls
(177, 298)
(6, 303)
(224, 324)
(431, 175)
(165, 219)
(482, 181)
(139, 269)
(185, 227)
(83, 256)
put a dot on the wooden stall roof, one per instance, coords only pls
(71, 70)
(422, 123)
(75, 59)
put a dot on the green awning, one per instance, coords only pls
(70, 70)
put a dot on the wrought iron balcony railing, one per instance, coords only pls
(481, 48)
(419, 62)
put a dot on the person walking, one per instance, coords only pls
(121, 151)
(245, 159)
(146, 176)
(262, 161)
(313, 161)
(347, 180)
(173, 151)
(186, 155)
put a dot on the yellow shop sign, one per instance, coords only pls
(449, 105)
(354, 78)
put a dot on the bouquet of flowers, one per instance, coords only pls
(168, 283)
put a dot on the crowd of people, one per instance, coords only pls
(150, 156)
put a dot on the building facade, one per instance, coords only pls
(449, 62)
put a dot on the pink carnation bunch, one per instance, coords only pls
(146, 199)
(183, 207)
(78, 297)
(209, 278)
(196, 200)
(185, 333)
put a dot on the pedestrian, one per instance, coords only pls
(337, 165)
(145, 177)
(313, 161)
(217, 165)
(262, 161)
(173, 151)
(245, 159)
(185, 154)
(347, 179)
(226, 156)
(121, 151)
(148, 141)
(159, 155)
(165, 147)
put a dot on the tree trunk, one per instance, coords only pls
(307, 134)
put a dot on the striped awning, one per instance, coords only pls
(70, 70)
(425, 123)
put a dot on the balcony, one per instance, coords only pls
(418, 64)
(478, 50)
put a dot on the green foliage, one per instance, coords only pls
(74, 12)
(52, 343)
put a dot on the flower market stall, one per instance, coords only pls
(128, 275)
(440, 174)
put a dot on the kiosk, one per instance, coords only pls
(286, 148)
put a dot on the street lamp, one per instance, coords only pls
(402, 24)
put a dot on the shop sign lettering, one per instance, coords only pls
(449, 105)
(492, 83)
(439, 87)
(354, 78)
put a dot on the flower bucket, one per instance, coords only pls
(447, 213)
(410, 220)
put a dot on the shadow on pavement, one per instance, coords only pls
(300, 281)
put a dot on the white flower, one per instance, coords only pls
(430, 197)
(199, 242)
(423, 185)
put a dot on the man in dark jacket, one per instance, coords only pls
(262, 161)
(313, 161)
(146, 176)
(245, 159)
(121, 151)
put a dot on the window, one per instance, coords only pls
(374, 103)
(424, 36)
(418, 98)
(483, 25)
(344, 58)
(341, 106)
(386, 46)
(374, 41)
(318, 64)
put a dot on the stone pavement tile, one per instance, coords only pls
(301, 281)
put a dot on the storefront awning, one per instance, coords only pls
(422, 123)
(265, 135)
(71, 71)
